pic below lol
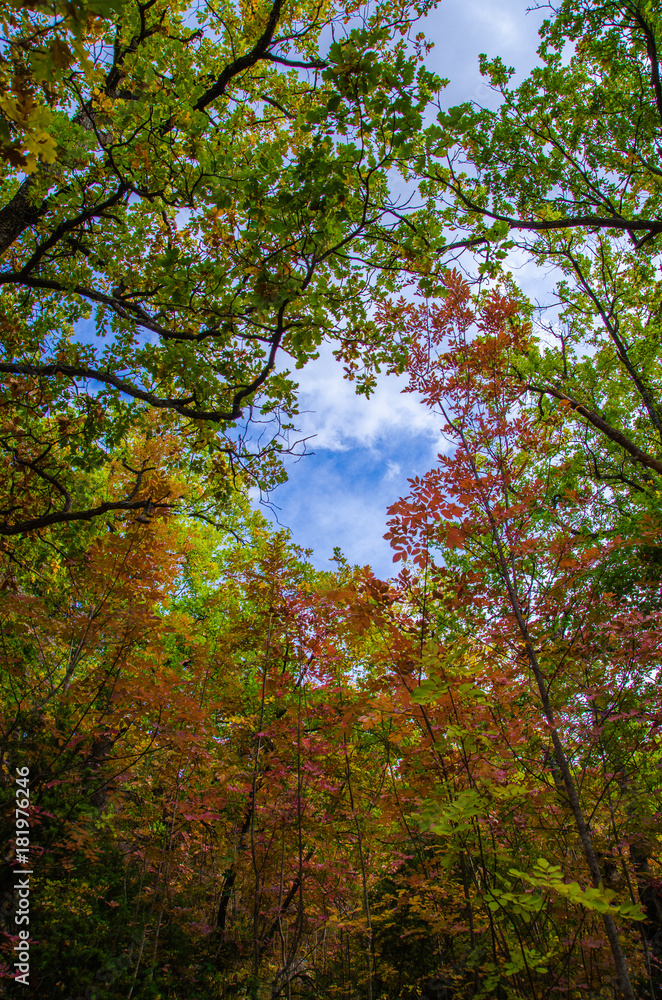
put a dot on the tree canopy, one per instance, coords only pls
(205, 202)
(233, 774)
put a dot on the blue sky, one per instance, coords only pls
(365, 450)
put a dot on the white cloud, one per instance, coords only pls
(461, 29)
(393, 471)
(364, 452)
(340, 420)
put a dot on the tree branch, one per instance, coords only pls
(651, 52)
(82, 371)
(636, 453)
(19, 214)
(259, 51)
(61, 517)
(311, 64)
(69, 225)
(612, 328)
(650, 227)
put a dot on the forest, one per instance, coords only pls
(224, 772)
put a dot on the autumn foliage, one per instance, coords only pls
(251, 778)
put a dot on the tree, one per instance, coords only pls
(216, 182)
(565, 171)
(182, 697)
(572, 147)
(514, 537)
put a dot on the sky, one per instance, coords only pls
(364, 451)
